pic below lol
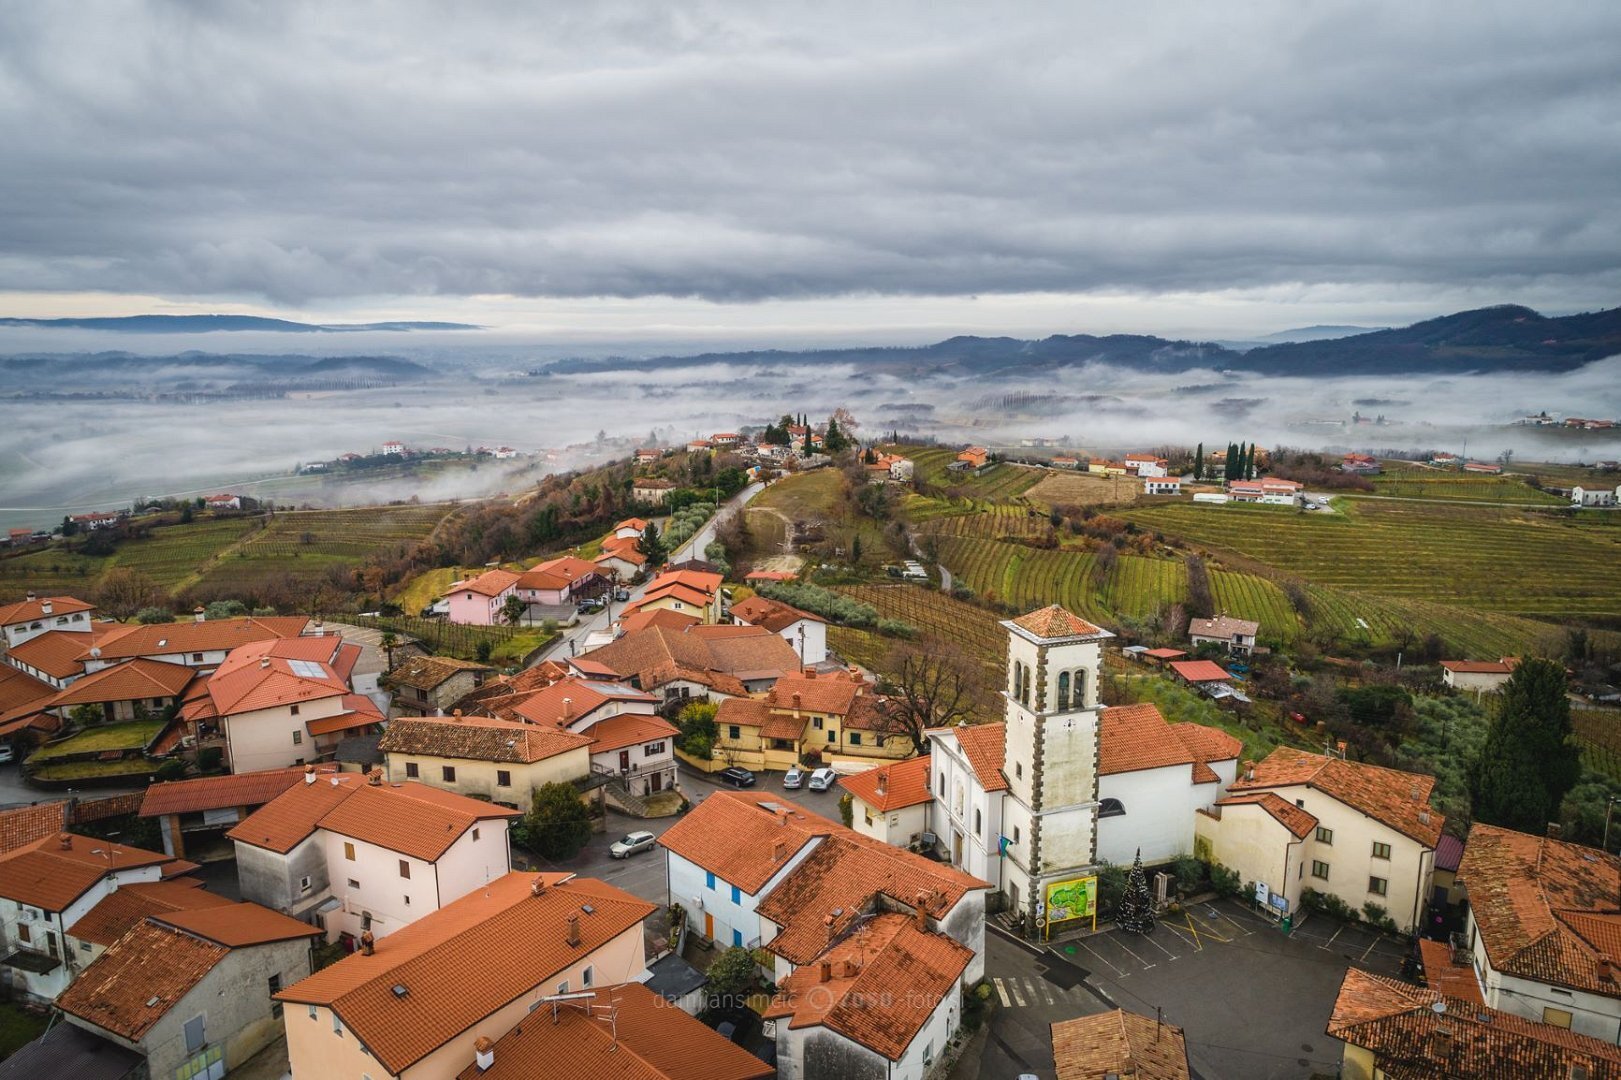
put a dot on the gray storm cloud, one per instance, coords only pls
(313, 152)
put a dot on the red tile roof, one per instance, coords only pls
(218, 792)
(465, 961)
(1054, 622)
(646, 1040)
(1478, 667)
(903, 784)
(21, 694)
(985, 747)
(628, 729)
(1121, 1044)
(26, 824)
(1165, 654)
(214, 635)
(558, 573)
(61, 653)
(656, 655)
(1283, 811)
(1132, 738)
(1200, 671)
(261, 675)
(1412, 1039)
(861, 1000)
(127, 905)
(1224, 627)
(49, 876)
(237, 926)
(117, 992)
(1449, 974)
(489, 583)
(26, 611)
(359, 712)
(641, 620)
(774, 615)
(834, 695)
(133, 680)
(478, 738)
(734, 835)
(1397, 799)
(564, 702)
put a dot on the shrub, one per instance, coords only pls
(483, 650)
(557, 825)
(209, 759)
(1190, 874)
(151, 616)
(1111, 887)
(1328, 904)
(225, 609)
(847, 809)
(172, 769)
(1376, 916)
(1225, 882)
(731, 977)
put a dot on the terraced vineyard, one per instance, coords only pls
(998, 482)
(1420, 483)
(940, 619)
(1599, 732)
(992, 521)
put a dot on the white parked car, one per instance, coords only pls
(793, 778)
(630, 844)
(6, 753)
(822, 779)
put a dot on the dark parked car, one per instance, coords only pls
(736, 776)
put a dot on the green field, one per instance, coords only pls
(1417, 482)
(998, 482)
(804, 497)
(129, 735)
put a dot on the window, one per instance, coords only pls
(734, 732)
(866, 813)
(422, 695)
(709, 879)
(503, 778)
(1319, 869)
(562, 987)
(737, 938)
(816, 722)
(293, 709)
(337, 1026)
(942, 785)
(1018, 770)
(1325, 836)
(1378, 886)
(84, 946)
(1300, 803)
(1381, 851)
(928, 1053)
(353, 884)
(275, 988)
(832, 735)
(1557, 1017)
(298, 738)
(196, 1033)
(448, 773)
(408, 900)
(411, 770)
(1015, 834)
(737, 895)
(349, 851)
(303, 884)
(587, 977)
(1111, 808)
(855, 738)
(976, 821)
(1063, 691)
(1024, 698)
(475, 836)
(313, 1013)
(405, 868)
(196, 657)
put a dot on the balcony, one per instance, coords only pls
(35, 963)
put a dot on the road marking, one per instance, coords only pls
(1120, 971)
(1146, 965)
(1046, 991)
(1197, 944)
(1002, 993)
(1014, 987)
(1371, 946)
(1324, 946)
(1205, 930)
(1161, 948)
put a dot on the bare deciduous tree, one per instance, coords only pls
(927, 687)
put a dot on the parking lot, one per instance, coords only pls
(1252, 1000)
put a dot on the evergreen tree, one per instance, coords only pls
(809, 447)
(1230, 466)
(652, 546)
(557, 825)
(833, 441)
(1529, 759)
(1198, 463)
(1250, 472)
(1136, 912)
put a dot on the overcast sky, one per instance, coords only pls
(860, 171)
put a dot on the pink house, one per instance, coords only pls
(479, 600)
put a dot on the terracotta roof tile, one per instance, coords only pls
(564, 702)
(31, 610)
(262, 675)
(1410, 1039)
(834, 695)
(429, 672)
(628, 729)
(465, 961)
(1119, 1043)
(26, 824)
(1395, 798)
(48, 876)
(860, 1000)
(21, 694)
(1054, 622)
(558, 573)
(1136, 737)
(673, 620)
(774, 615)
(905, 783)
(985, 746)
(1545, 909)
(658, 654)
(1449, 975)
(478, 738)
(215, 635)
(61, 653)
(734, 835)
(1224, 627)
(218, 792)
(648, 1040)
(149, 961)
(489, 583)
(237, 926)
(1478, 667)
(1286, 813)
(359, 712)
(133, 680)
(127, 905)
(1200, 671)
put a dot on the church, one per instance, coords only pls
(1063, 783)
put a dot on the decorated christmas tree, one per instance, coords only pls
(1136, 914)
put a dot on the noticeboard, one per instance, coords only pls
(1075, 898)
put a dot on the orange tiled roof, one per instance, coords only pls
(218, 792)
(658, 654)
(1545, 909)
(905, 783)
(127, 905)
(61, 653)
(1224, 627)
(261, 675)
(462, 963)
(648, 1040)
(558, 573)
(1286, 813)
(1478, 667)
(237, 926)
(846, 872)
(1398, 799)
(985, 746)
(1401, 1026)
(628, 729)
(21, 694)
(1054, 622)
(214, 635)
(26, 824)
(24, 611)
(429, 672)
(734, 836)
(1119, 1043)
(564, 702)
(478, 738)
(1444, 975)
(489, 583)
(150, 961)
(46, 875)
(774, 615)
(834, 695)
(641, 620)
(133, 680)
(1200, 671)
(860, 999)
(673, 590)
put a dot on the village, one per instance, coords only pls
(726, 821)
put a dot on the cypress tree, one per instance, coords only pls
(1136, 912)
(1198, 462)
(1529, 760)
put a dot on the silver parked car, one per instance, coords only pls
(630, 844)
(793, 778)
(822, 779)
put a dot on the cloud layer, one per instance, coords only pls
(307, 153)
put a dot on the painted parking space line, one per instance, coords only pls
(1150, 939)
(1118, 970)
(1001, 992)
(1187, 933)
(1146, 965)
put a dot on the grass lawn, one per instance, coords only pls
(18, 1027)
(135, 768)
(424, 589)
(805, 496)
(130, 735)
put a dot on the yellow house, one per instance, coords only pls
(500, 760)
(837, 715)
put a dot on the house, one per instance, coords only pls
(699, 661)
(202, 643)
(1160, 657)
(1152, 778)
(422, 1003)
(1105, 467)
(901, 469)
(279, 703)
(58, 657)
(1300, 820)
(691, 591)
(96, 521)
(1237, 636)
(194, 815)
(975, 459)
(1443, 460)
(479, 601)
(1392, 1028)
(646, 456)
(891, 801)
(504, 453)
(620, 559)
(651, 491)
(837, 715)
(1480, 676)
(484, 757)
(1360, 464)
(431, 685)
(22, 706)
(725, 440)
(806, 632)
(394, 449)
(36, 615)
(190, 991)
(626, 1030)
(560, 581)
(223, 502)
(630, 529)
(845, 1008)
(1586, 496)
(628, 740)
(1199, 674)
(1482, 467)
(19, 537)
(1066, 463)
(355, 854)
(1271, 490)
(1163, 486)
(1147, 466)
(47, 886)
(1119, 1044)
(1541, 928)
(700, 446)
(129, 691)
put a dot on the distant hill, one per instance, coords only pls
(1318, 333)
(205, 324)
(92, 368)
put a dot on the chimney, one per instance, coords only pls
(309, 774)
(1441, 1043)
(264, 661)
(368, 944)
(65, 841)
(1412, 793)
(537, 886)
(573, 938)
(883, 780)
(483, 1053)
(779, 849)
(826, 972)
(31, 596)
(1249, 770)
(320, 629)
(199, 613)
(374, 776)
(568, 708)
(45, 607)
(1554, 830)
(810, 673)
(851, 969)
(796, 700)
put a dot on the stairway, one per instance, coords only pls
(623, 800)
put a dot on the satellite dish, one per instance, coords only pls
(1439, 1008)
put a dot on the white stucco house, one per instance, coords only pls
(807, 633)
(1591, 496)
(892, 802)
(1478, 676)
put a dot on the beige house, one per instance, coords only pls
(500, 760)
(1478, 676)
(1299, 820)
(425, 1002)
(837, 715)
(431, 685)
